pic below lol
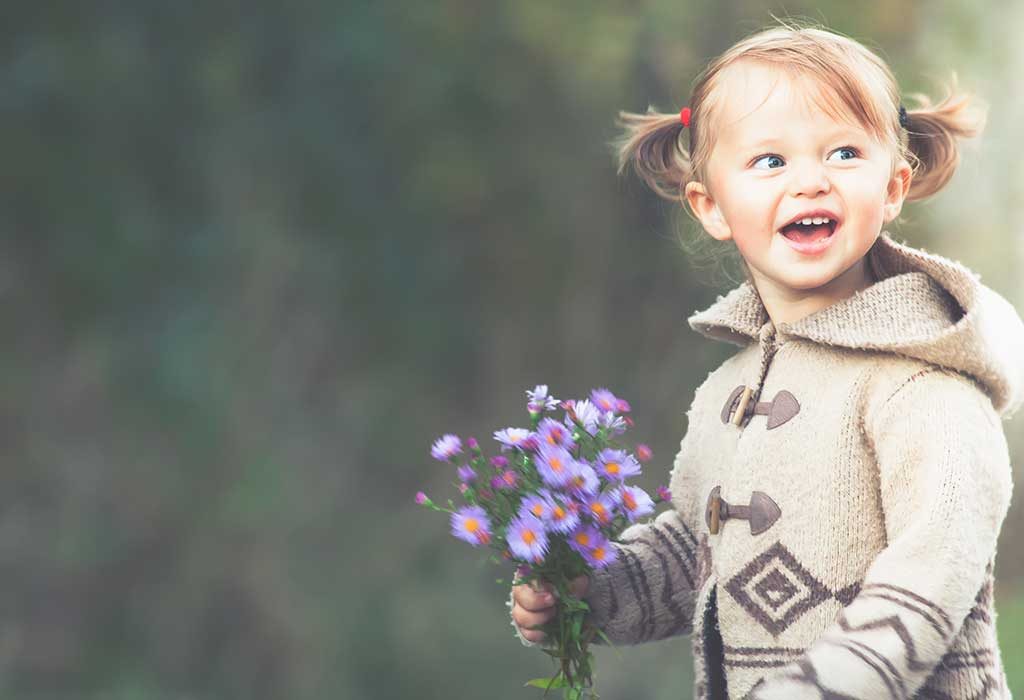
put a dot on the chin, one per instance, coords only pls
(809, 283)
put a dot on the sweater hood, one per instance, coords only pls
(922, 306)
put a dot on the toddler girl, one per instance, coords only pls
(844, 475)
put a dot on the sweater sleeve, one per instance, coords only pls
(945, 486)
(648, 592)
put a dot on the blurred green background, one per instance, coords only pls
(256, 257)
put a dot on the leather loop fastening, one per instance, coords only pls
(762, 512)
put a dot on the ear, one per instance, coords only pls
(896, 191)
(704, 208)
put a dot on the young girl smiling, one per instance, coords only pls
(844, 476)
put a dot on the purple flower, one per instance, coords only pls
(537, 505)
(601, 554)
(635, 502)
(554, 434)
(499, 461)
(539, 399)
(643, 452)
(624, 406)
(584, 482)
(506, 480)
(586, 413)
(664, 494)
(584, 538)
(601, 509)
(470, 523)
(604, 400)
(466, 474)
(564, 518)
(421, 498)
(446, 447)
(556, 466)
(527, 539)
(511, 437)
(615, 424)
(616, 465)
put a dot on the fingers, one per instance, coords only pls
(527, 621)
(533, 605)
(532, 597)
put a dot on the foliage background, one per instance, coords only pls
(256, 257)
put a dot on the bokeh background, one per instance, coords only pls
(256, 257)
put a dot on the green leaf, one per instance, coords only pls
(546, 683)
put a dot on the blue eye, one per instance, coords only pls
(768, 157)
(853, 151)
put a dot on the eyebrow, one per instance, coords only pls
(846, 132)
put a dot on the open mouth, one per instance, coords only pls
(809, 233)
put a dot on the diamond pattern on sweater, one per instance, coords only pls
(775, 589)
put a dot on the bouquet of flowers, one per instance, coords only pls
(552, 502)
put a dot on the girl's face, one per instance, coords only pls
(778, 156)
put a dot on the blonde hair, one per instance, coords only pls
(856, 83)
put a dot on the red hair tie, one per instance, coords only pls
(684, 116)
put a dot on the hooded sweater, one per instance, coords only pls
(837, 496)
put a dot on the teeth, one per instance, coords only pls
(817, 220)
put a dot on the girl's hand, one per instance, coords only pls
(533, 605)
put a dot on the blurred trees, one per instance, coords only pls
(256, 257)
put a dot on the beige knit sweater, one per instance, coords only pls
(836, 538)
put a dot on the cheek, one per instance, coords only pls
(748, 208)
(868, 191)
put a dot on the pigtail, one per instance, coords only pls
(933, 134)
(652, 144)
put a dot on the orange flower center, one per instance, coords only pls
(598, 553)
(583, 539)
(472, 525)
(612, 467)
(628, 499)
(529, 537)
(558, 513)
(538, 510)
(556, 464)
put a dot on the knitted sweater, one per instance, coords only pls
(837, 496)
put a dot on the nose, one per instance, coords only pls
(809, 178)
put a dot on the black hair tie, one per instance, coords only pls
(904, 120)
